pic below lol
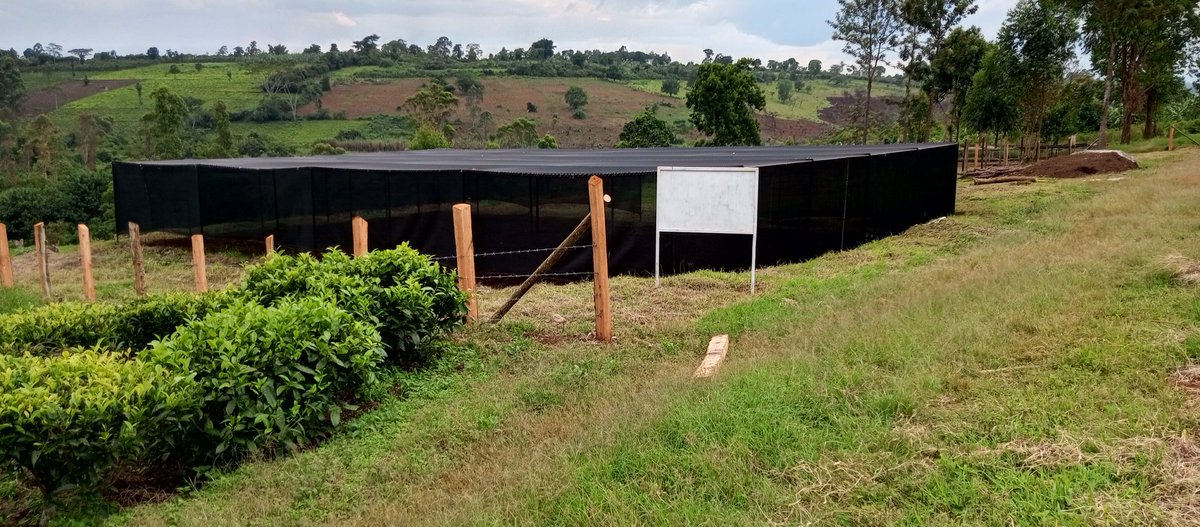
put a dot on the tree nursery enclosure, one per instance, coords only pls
(811, 200)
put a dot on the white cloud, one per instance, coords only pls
(343, 20)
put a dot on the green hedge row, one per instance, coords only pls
(266, 366)
(49, 329)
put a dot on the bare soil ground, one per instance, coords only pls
(48, 99)
(610, 106)
(841, 109)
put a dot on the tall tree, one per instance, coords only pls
(1039, 36)
(992, 102)
(870, 29)
(934, 20)
(167, 120)
(12, 88)
(223, 145)
(722, 100)
(953, 68)
(41, 139)
(91, 130)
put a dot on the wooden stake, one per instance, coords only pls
(359, 226)
(6, 269)
(198, 263)
(976, 155)
(85, 260)
(546, 265)
(139, 262)
(270, 244)
(600, 260)
(39, 240)
(464, 245)
(1171, 140)
(1006, 152)
(717, 348)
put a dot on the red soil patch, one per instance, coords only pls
(1081, 164)
(610, 106)
(841, 109)
(46, 100)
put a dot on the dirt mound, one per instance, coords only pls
(1081, 164)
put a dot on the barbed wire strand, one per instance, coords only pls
(521, 251)
(543, 275)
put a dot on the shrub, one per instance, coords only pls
(408, 297)
(579, 113)
(68, 419)
(272, 376)
(47, 329)
(428, 138)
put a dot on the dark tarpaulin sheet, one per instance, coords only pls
(812, 200)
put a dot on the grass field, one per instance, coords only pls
(1024, 361)
(804, 104)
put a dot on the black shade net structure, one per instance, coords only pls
(811, 200)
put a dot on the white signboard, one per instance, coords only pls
(707, 201)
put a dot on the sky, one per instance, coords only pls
(764, 29)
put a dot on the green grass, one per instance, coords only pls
(213, 83)
(17, 298)
(299, 134)
(804, 104)
(1012, 364)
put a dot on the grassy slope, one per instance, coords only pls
(805, 104)
(1008, 364)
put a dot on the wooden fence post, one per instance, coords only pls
(270, 244)
(977, 154)
(198, 263)
(464, 245)
(600, 260)
(359, 226)
(1005, 152)
(139, 262)
(6, 270)
(85, 260)
(39, 240)
(1171, 140)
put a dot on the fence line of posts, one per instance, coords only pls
(465, 256)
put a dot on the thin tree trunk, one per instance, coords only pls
(867, 118)
(1102, 141)
(1151, 128)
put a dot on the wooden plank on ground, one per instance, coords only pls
(718, 347)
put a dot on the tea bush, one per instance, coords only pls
(47, 329)
(271, 376)
(67, 419)
(409, 299)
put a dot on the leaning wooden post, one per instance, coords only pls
(198, 263)
(600, 260)
(359, 226)
(270, 244)
(85, 261)
(139, 262)
(6, 270)
(544, 267)
(464, 246)
(1171, 140)
(39, 240)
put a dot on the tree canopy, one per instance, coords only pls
(722, 101)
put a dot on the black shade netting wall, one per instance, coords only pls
(806, 208)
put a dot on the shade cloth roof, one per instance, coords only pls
(558, 162)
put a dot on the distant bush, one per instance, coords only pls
(174, 69)
(670, 86)
(547, 142)
(69, 419)
(271, 377)
(325, 149)
(427, 138)
(531, 108)
(578, 113)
